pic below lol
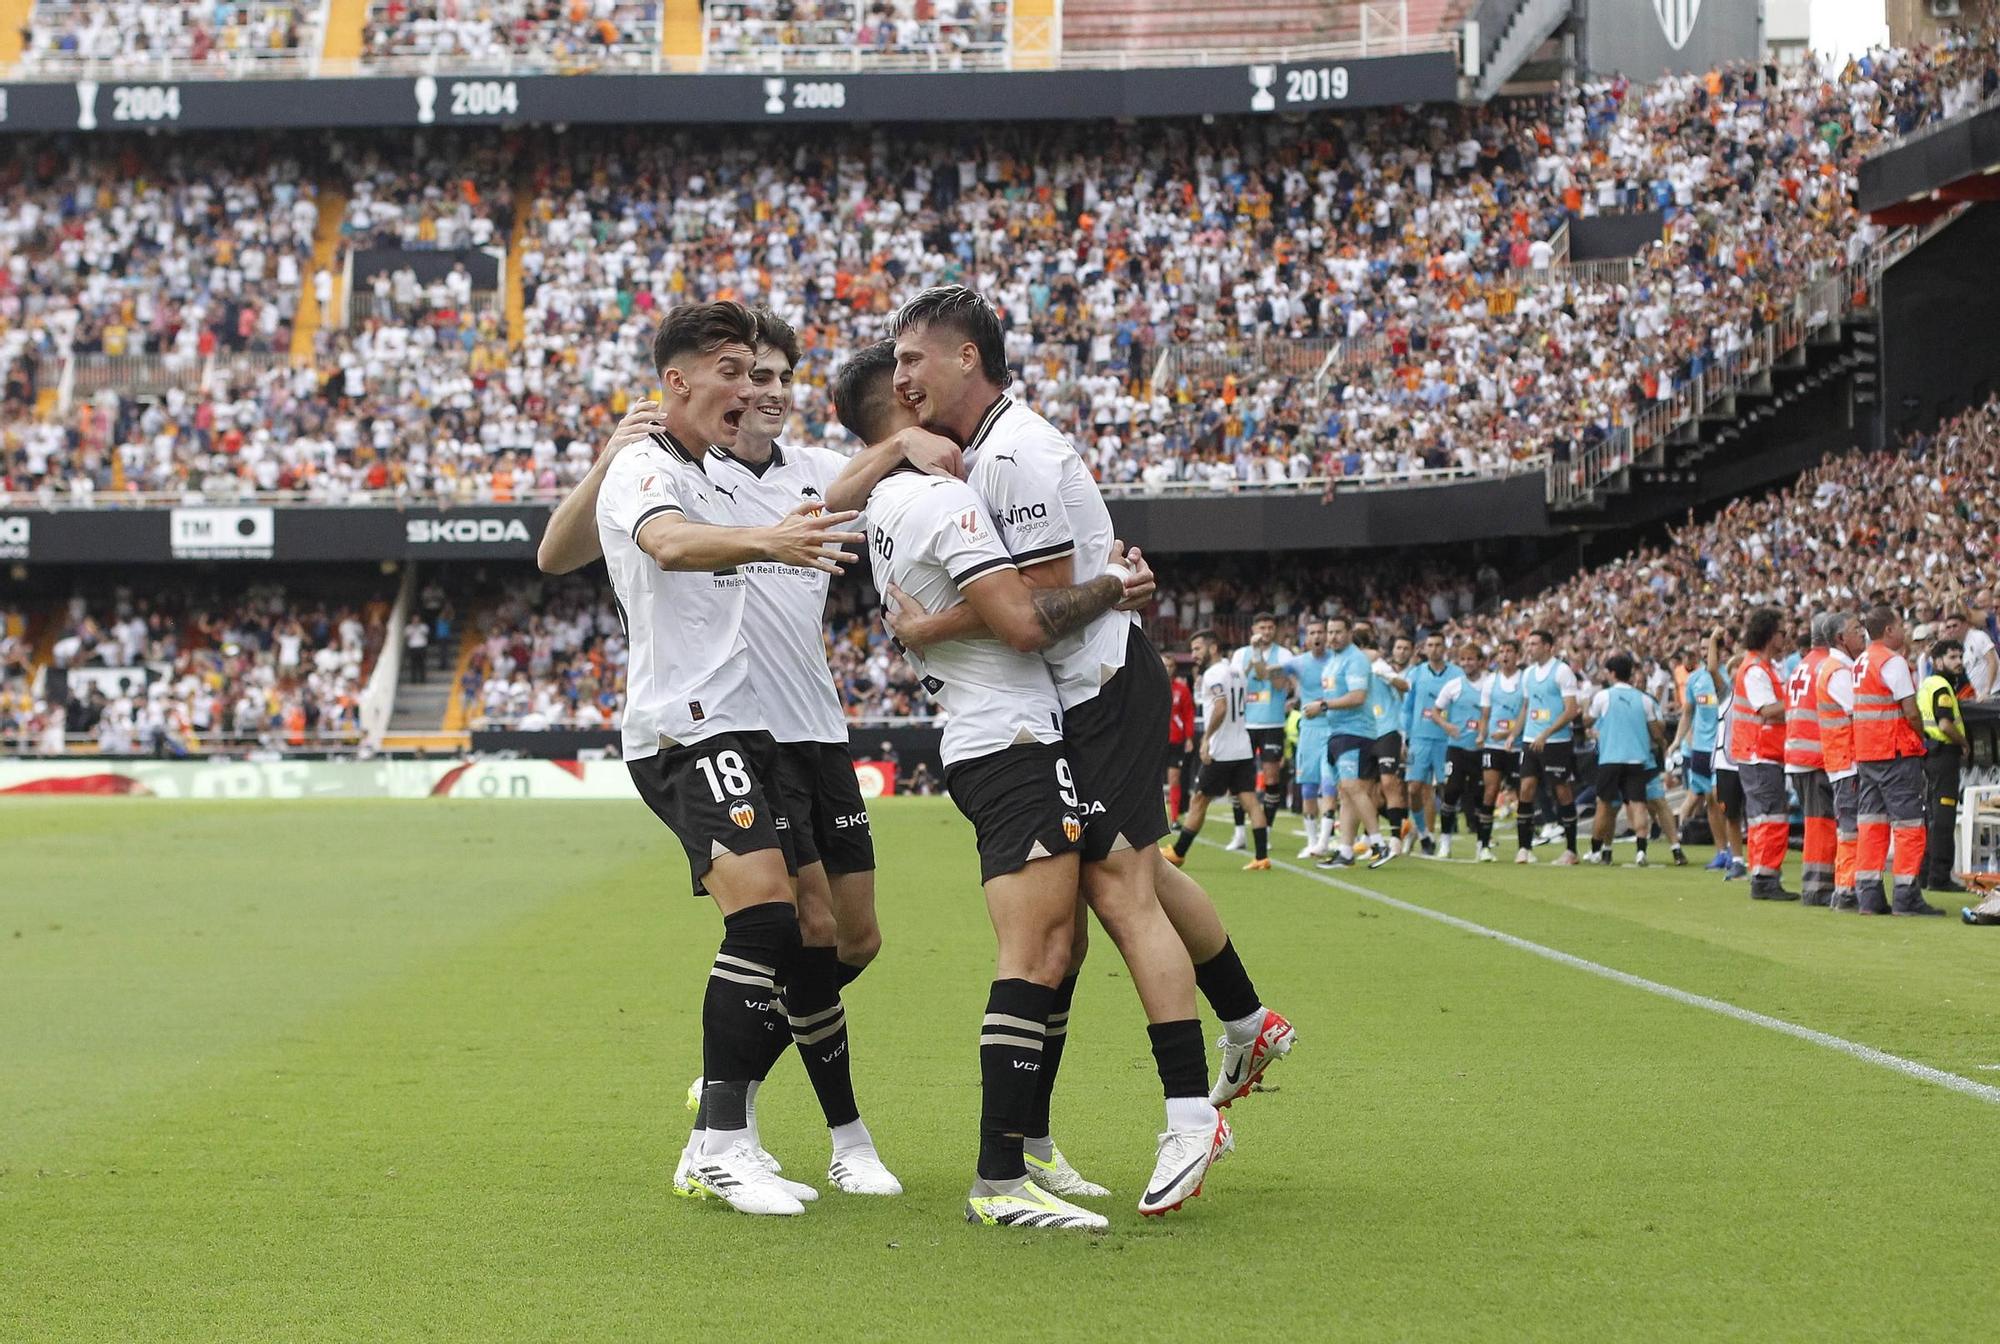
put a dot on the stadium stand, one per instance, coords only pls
(77, 35)
(521, 34)
(846, 34)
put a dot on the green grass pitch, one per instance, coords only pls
(414, 1071)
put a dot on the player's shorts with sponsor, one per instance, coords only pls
(1222, 779)
(1556, 761)
(1621, 782)
(1115, 770)
(1349, 756)
(1701, 772)
(1022, 803)
(1429, 759)
(1267, 744)
(1314, 775)
(1389, 755)
(1729, 792)
(1507, 763)
(718, 796)
(822, 798)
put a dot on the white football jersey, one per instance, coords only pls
(928, 535)
(1047, 506)
(1224, 681)
(784, 616)
(688, 671)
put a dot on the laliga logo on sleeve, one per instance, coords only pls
(1677, 19)
(743, 814)
(427, 96)
(86, 104)
(1262, 77)
(774, 96)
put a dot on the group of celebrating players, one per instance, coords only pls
(1005, 588)
(1390, 741)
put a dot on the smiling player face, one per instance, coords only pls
(771, 377)
(935, 374)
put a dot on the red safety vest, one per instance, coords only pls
(1751, 740)
(1836, 723)
(1880, 731)
(1803, 749)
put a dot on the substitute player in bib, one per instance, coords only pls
(1350, 749)
(756, 482)
(1552, 707)
(951, 369)
(1456, 714)
(1428, 745)
(1316, 793)
(1502, 706)
(1116, 883)
(1628, 734)
(1262, 662)
(1696, 740)
(696, 737)
(1228, 756)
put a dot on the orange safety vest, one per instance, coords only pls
(1880, 731)
(1803, 750)
(1751, 740)
(1836, 723)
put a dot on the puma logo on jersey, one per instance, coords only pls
(725, 490)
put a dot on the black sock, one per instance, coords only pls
(1566, 813)
(1448, 820)
(736, 1007)
(1642, 846)
(1395, 816)
(1178, 1051)
(1260, 841)
(819, 1028)
(777, 1037)
(1596, 845)
(1010, 1062)
(1053, 1040)
(1226, 985)
(849, 973)
(1240, 818)
(1184, 842)
(1524, 830)
(1482, 825)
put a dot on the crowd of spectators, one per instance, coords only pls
(170, 669)
(551, 654)
(133, 34)
(1370, 295)
(567, 34)
(778, 34)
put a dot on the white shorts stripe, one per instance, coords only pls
(740, 964)
(761, 981)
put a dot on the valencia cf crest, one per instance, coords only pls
(1072, 829)
(743, 814)
(1677, 18)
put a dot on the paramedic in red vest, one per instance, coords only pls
(1833, 697)
(1805, 764)
(1889, 754)
(1757, 746)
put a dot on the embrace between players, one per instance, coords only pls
(1006, 590)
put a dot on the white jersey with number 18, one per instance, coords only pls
(929, 535)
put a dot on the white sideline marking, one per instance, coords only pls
(1881, 1059)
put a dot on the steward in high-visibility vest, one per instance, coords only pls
(1889, 753)
(1833, 700)
(1757, 745)
(1805, 767)
(1944, 729)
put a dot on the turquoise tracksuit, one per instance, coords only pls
(1353, 728)
(1308, 670)
(1427, 740)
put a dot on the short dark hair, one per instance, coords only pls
(1544, 636)
(702, 328)
(864, 392)
(1263, 616)
(1760, 626)
(1878, 620)
(1945, 646)
(777, 333)
(1619, 665)
(967, 315)
(1513, 644)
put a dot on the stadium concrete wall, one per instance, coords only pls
(1642, 38)
(90, 105)
(1355, 518)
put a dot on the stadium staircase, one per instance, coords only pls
(326, 251)
(515, 296)
(1510, 32)
(345, 20)
(1157, 25)
(682, 38)
(13, 26)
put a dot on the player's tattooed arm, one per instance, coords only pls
(1030, 619)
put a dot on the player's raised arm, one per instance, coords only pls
(928, 452)
(806, 538)
(570, 540)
